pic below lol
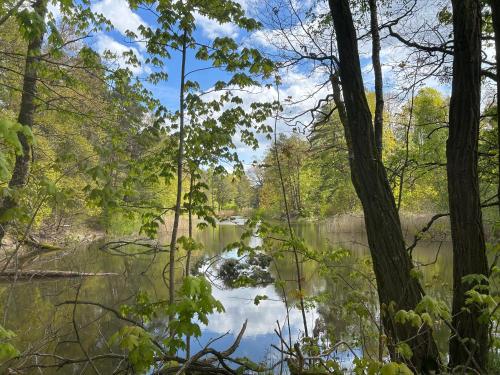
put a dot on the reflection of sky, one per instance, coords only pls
(262, 318)
(239, 306)
(259, 335)
(256, 348)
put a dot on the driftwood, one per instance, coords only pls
(51, 274)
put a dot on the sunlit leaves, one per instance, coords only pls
(189, 244)
(138, 344)
(7, 350)
(31, 24)
(195, 301)
(9, 131)
(428, 311)
(408, 317)
(394, 368)
(194, 304)
(404, 350)
(366, 366)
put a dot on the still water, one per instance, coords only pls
(44, 324)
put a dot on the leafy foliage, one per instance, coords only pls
(7, 350)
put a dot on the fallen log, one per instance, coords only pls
(41, 245)
(48, 274)
(23, 257)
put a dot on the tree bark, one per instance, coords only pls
(469, 251)
(188, 255)
(377, 70)
(26, 113)
(397, 289)
(180, 161)
(495, 15)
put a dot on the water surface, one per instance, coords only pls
(35, 310)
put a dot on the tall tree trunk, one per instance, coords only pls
(391, 263)
(407, 144)
(190, 220)
(26, 113)
(188, 255)
(291, 233)
(495, 13)
(180, 161)
(377, 69)
(469, 252)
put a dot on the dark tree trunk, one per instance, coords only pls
(469, 254)
(391, 262)
(26, 113)
(188, 255)
(180, 161)
(495, 13)
(377, 69)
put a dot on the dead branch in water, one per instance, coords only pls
(196, 364)
(38, 274)
(119, 247)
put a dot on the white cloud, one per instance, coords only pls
(55, 10)
(263, 38)
(120, 15)
(213, 29)
(239, 306)
(246, 5)
(299, 92)
(105, 43)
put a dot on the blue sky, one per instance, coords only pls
(303, 83)
(116, 41)
(118, 12)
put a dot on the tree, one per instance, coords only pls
(469, 339)
(418, 161)
(244, 192)
(396, 287)
(377, 68)
(9, 9)
(175, 34)
(292, 153)
(50, 75)
(495, 15)
(329, 165)
(256, 178)
(223, 190)
(26, 112)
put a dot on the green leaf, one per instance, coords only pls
(394, 368)
(404, 350)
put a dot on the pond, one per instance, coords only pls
(37, 313)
